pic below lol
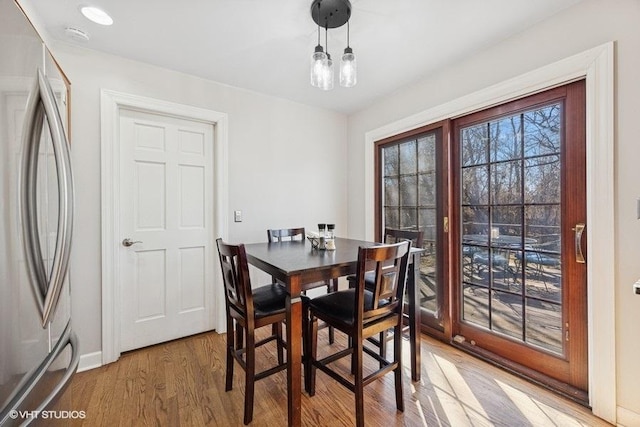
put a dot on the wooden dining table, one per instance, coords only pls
(296, 263)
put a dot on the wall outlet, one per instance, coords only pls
(237, 216)
(636, 288)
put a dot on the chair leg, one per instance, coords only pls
(230, 349)
(358, 381)
(249, 380)
(332, 286)
(383, 346)
(276, 329)
(397, 356)
(313, 351)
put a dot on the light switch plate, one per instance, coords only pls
(237, 216)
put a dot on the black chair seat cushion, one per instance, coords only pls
(340, 305)
(269, 299)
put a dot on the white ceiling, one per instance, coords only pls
(265, 46)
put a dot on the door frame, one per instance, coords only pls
(596, 66)
(111, 102)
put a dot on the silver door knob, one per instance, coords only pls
(127, 242)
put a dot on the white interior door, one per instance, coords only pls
(166, 199)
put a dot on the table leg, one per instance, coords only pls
(294, 352)
(413, 285)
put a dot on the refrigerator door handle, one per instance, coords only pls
(65, 199)
(33, 124)
(26, 387)
(41, 106)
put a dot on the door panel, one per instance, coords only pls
(519, 189)
(412, 195)
(167, 213)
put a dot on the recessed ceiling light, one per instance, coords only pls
(96, 15)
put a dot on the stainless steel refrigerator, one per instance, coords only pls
(38, 350)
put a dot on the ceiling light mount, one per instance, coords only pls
(331, 13)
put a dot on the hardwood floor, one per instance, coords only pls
(181, 383)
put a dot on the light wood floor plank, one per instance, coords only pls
(181, 383)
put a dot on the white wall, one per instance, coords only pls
(275, 147)
(577, 29)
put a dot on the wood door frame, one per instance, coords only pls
(596, 66)
(111, 102)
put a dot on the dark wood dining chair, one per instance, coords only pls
(288, 234)
(361, 313)
(391, 235)
(247, 310)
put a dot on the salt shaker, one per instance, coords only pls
(330, 243)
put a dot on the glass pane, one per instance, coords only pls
(428, 278)
(428, 224)
(475, 221)
(505, 141)
(409, 191)
(408, 218)
(474, 145)
(427, 153)
(391, 197)
(390, 160)
(506, 183)
(392, 218)
(493, 263)
(408, 158)
(542, 179)
(543, 225)
(427, 189)
(506, 314)
(510, 216)
(475, 183)
(470, 274)
(544, 324)
(475, 305)
(506, 226)
(542, 130)
(543, 275)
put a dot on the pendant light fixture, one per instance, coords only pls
(348, 68)
(318, 58)
(331, 14)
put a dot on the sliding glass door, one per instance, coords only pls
(520, 279)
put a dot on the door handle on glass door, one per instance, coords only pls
(578, 230)
(128, 242)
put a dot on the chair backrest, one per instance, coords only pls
(235, 275)
(389, 263)
(282, 234)
(392, 235)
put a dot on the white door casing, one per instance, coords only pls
(166, 180)
(112, 105)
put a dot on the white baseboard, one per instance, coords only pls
(90, 361)
(627, 418)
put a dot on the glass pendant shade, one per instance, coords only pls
(317, 63)
(327, 74)
(348, 69)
